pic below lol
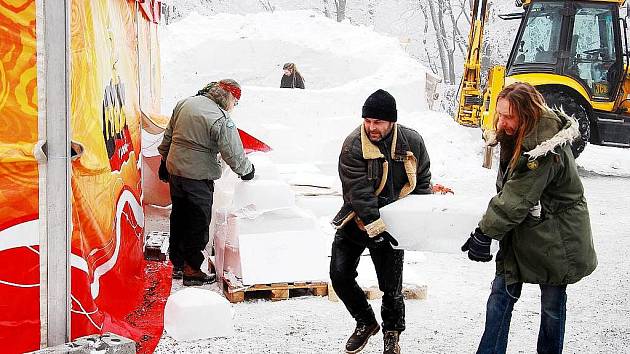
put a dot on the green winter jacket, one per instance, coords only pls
(198, 131)
(540, 214)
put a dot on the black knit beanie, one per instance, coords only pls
(380, 105)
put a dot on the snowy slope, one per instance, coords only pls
(342, 65)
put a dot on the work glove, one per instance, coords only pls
(384, 239)
(249, 176)
(478, 246)
(163, 172)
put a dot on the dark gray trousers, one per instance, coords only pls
(190, 220)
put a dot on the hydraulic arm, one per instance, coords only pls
(470, 97)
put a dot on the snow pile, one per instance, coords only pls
(342, 65)
(605, 160)
(252, 49)
(262, 195)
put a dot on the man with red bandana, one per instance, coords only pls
(200, 129)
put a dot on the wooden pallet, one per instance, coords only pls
(273, 292)
(410, 292)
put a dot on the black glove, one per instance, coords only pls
(163, 172)
(249, 176)
(478, 246)
(384, 239)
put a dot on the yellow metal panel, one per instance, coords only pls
(496, 77)
(538, 79)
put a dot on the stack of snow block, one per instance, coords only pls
(194, 313)
(262, 237)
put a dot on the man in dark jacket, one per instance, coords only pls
(539, 216)
(380, 162)
(198, 131)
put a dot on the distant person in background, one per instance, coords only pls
(539, 216)
(292, 77)
(200, 128)
(380, 162)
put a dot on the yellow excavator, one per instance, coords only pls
(575, 53)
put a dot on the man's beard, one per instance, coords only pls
(375, 139)
(380, 136)
(507, 143)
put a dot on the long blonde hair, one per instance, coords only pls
(528, 105)
(293, 69)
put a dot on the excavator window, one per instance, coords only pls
(579, 39)
(540, 40)
(592, 56)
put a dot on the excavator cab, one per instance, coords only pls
(574, 53)
(579, 40)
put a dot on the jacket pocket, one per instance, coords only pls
(540, 251)
(574, 224)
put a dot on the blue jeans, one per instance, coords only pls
(499, 313)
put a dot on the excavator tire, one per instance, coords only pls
(562, 100)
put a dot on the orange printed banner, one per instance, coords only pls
(19, 176)
(109, 274)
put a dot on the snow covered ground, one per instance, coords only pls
(342, 65)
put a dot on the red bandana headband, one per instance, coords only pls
(235, 91)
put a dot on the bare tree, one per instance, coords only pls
(449, 38)
(424, 40)
(440, 39)
(444, 8)
(371, 11)
(327, 9)
(266, 4)
(340, 5)
(458, 38)
(466, 9)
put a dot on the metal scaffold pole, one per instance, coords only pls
(53, 64)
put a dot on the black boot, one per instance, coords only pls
(359, 338)
(195, 277)
(390, 342)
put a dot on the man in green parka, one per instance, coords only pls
(539, 217)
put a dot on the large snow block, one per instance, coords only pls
(259, 195)
(320, 205)
(433, 222)
(194, 313)
(228, 227)
(290, 219)
(265, 168)
(289, 256)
